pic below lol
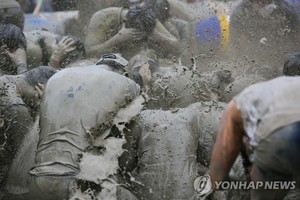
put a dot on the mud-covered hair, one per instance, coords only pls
(12, 36)
(162, 10)
(292, 65)
(141, 17)
(39, 75)
(12, 16)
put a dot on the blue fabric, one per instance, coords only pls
(277, 156)
(290, 134)
(37, 23)
(208, 32)
(295, 4)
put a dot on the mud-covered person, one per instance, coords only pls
(11, 12)
(88, 8)
(264, 31)
(292, 65)
(76, 26)
(258, 73)
(19, 100)
(78, 107)
(46, 48)
(170, 85)
(12, 49)
(167, 154)
(125, 31)
(177, 22)
(263, 123)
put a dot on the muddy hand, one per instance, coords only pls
(145, 72)
(39, 90)
(17, 57)
(130, 33)
(66, 45)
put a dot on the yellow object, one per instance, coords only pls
(225, 32)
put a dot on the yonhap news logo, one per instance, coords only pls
(203, 185)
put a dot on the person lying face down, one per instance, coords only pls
(19, 101)
(45, 48)
(13, 49)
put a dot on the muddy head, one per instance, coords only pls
(13, 46)
(220, 79)
(292, 65)
(240, 83)
(11, 12)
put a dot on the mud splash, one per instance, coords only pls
(99, 168)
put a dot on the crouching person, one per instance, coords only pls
(20, 95)
(81, 134)
(262, 122)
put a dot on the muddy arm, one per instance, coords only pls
(228, 143)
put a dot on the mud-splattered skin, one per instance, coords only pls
(16, 120)
(240, 83)
(18, 109)
(6, 65)
(77, 113)
(109, 32)
(266, 114)
(172, 145)
(88, 8)
(40, 47)
(209, 114)
(167, 148)
(19, 100)
(170, 85)
(173, 85)
(252, 74)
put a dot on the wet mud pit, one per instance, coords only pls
(173, 135)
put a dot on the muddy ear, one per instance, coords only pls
(1, 122)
